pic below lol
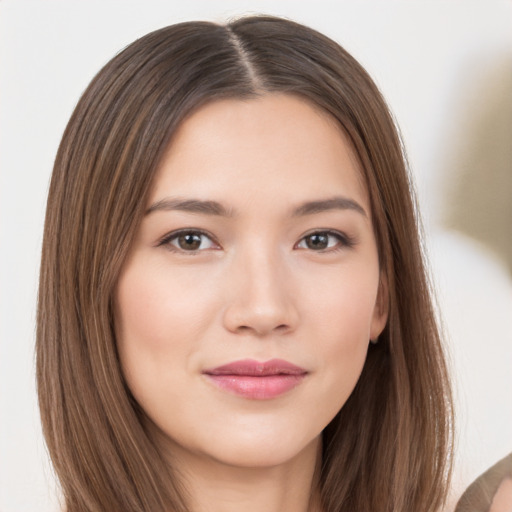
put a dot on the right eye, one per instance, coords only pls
(191, 241)
(325, 241)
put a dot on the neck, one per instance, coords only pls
(289, 487)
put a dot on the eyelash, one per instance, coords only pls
(343, 241)
(170, 237)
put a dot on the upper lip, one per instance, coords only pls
(254, 368)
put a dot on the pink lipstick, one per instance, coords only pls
(257, 380)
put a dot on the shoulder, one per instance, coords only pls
(491, 491)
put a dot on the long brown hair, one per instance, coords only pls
(389, 448)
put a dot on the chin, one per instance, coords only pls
(258, 451)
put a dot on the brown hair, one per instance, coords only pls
(389, 448)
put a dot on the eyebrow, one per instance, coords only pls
(324, 205)
(190, 206)
(207, 207)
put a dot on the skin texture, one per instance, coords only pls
(253, 289)
(502, 501)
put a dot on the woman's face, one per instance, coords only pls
(245, 308)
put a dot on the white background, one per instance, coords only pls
(430, 58)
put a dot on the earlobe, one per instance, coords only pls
(381, 310)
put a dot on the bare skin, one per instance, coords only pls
(502, 501)
(291, 487)
(257, 245)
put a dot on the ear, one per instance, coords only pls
(381, 310)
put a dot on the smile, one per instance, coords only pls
(257, 380)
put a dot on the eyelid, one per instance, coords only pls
(345, 241)
(167, 238)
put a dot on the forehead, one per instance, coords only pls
(277, 146)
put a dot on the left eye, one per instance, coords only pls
(321, 240)
(189, 241)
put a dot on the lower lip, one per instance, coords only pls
(257, 387)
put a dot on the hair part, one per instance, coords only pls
(389, 448)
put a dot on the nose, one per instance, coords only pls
(261, 300)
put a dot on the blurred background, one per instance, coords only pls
(446, 71)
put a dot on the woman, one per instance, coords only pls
(234, 312)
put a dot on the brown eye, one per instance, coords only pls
(188, 241)
(317, 241)
(325, 241)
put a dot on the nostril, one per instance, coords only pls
(282, 328)
(260, 314)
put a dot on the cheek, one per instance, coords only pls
(155, 306)
(156, 326)
(344, 303)
(340, 320)
(158, 321)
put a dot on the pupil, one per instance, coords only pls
(317, 241)
(189, 242)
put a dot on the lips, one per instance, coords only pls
(257, 380)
